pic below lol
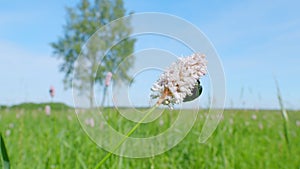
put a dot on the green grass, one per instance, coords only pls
(36, 140)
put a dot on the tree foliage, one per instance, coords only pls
(82, 22)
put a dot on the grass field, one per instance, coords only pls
(243, 139)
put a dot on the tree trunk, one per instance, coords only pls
(92, 94)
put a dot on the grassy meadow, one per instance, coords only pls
(244, 139)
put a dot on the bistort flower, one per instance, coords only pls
(179, 80)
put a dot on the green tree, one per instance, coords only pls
(83, 21)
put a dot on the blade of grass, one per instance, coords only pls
(5, 159)
(78, 155)
(284, 115)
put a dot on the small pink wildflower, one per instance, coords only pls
(52, 91)
(7, 132)
(48, 110)
(254, 117)
(161, 122)
(260, 126)
(90, 122)
(108, 78)
(298, 123)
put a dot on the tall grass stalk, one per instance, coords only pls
(126, 136)
(284, 115)
(5, 159)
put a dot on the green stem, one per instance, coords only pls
(284, 115)
(104, 94)
(126, 136)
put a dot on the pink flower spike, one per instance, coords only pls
(108, 78)
(48, 110)
(52, 91)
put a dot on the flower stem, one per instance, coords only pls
(126, 136)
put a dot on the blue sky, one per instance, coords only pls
(256, 40)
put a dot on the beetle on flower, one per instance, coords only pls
(180, 82)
